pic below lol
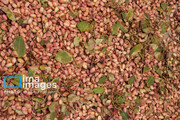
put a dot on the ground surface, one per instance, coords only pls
(111, 60)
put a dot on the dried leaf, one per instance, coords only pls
(154, 46)
(52, 107)
(76, 41)
(111, 77)
(147, 30)
(91, 44)
(18, 111)
(73, 98)
(98, 41)
(64, 57)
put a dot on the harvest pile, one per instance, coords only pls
(111, 59)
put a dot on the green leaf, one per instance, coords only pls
(131, 80)
(37, 99)
(20, 22)
(160, 9)
(98, 90)
(136, 110)
(170, 67)
(163, 27)
(76, 41)
(145, 69)
(169, 9)
(52, 115)
(1, 35)
(126, 2)
(102, 79)
(30, 73)
(155, 39)
(6, 104)
(123, 28)
(63, 109)
(43, 1)
(144, 24)
(130, 14)
(84, 26)
(146, 15)
(63, 57)
(42, 43)
(73, 14)
(159, 49)
(104, 50)
(19, 46)
(115, 29)
(137, 100)
(9, 13)
(18, 111)
(42, 67)
(150, 81)
(147, 111)
(52, 107)
(103, 97)
(158, 71)
(121, 99)
(156, 54)
(124, 115)
(109, 40)
(164, 5)
(136, 49)
(118, 26)
(119, 2)
(56, 80)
